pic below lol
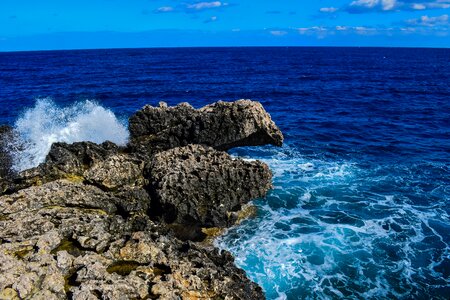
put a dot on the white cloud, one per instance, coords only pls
(427, 26)
(430, 21)
(438, 4)
(362, 6)
(408, 29)
(365, 3)
(278, 32)
(165, 9)
(206, 5)
(368, 32)
(329, 9)
(192, 7)
(319, 31)
(418, 6)
(388, 4)
(362, 30)
(384, 5)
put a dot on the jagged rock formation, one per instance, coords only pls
(104, 222)
(222, 125)
(199, 185)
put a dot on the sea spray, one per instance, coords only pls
(46, 123)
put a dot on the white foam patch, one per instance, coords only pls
(332, 230)
(46, 123)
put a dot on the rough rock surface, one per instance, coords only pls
(222, 125)
(79, 156)
(199, 185)
(102, 222)
(64, 161)
(65, 239)
(86, 248)
(5, 159)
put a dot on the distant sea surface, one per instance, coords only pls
(361, 200)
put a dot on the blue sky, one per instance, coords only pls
(60, 24)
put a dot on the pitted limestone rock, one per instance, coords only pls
(199, 185)
(221, 125)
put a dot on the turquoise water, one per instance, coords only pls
(341, 229)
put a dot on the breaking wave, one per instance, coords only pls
(46, 123)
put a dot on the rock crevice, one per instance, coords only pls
(105, 222)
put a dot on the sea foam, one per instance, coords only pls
(332, 229)
(46, 123)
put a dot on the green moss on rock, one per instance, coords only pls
(123, 267)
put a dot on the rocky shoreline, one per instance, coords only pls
(108, 222)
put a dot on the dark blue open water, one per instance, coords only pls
(361, 203)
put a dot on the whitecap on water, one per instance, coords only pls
(306, 166)
(331, 229)
(46, 123)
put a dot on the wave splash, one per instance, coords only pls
(47, 123)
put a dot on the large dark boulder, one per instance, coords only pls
(77, 157)
(202, 186)
(6, 134)
(222, 125)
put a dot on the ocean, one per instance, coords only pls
(361, 200)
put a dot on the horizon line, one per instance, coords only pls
(218, 47)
